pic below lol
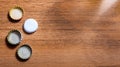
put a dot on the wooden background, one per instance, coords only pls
(70, 34)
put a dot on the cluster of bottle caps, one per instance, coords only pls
(14, 37)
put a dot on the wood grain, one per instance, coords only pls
(70, 34)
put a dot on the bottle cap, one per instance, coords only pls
(24, 52)
(16, 13)
(30, 25)
(14, 37)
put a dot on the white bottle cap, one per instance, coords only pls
(30, 25)
(14, 37)
(16, 13)
(24, 52)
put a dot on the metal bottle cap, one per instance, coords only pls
(14, 37)
(24, 52)
(30, 25)
(16, 13)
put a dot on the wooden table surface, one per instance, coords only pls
(71, 33)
